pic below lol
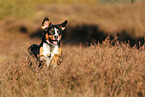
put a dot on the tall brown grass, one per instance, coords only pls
(101, 70)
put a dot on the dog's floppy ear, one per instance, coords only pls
(46, 23)
(62, 25)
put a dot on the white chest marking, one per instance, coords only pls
(49, 51)
(46, 50)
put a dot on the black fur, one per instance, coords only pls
(34, 50)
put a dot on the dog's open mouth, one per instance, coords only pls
(55, 42)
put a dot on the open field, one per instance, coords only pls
(95, 64)
(102, 70)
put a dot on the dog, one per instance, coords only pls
(49, 51)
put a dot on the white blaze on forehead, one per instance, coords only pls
(55, 31)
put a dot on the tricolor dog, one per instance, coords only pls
(49, 51)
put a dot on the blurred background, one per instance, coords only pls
(89, 21)
(92, 64)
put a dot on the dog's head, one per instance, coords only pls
(52, 33)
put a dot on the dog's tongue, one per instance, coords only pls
(55, 42)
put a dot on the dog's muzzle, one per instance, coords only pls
(56, 37)
(55, 42)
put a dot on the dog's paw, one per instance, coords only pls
(60, 59)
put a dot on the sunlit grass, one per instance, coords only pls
(16, 8)
(101, 70)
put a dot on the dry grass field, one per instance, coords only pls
(103, 49)
(102, 70)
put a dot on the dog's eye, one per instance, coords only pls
(51, 31)
(58, 31)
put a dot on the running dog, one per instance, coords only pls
(49, 51)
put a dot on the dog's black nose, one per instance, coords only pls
(56, 37)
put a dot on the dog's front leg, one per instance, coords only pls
(48, 62)
(54, 60)
(57, 58)
(59, 61)
(44, 61)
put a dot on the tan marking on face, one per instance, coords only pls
(60, 26)
(47, 36)
(60, 37)
(51, 37)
